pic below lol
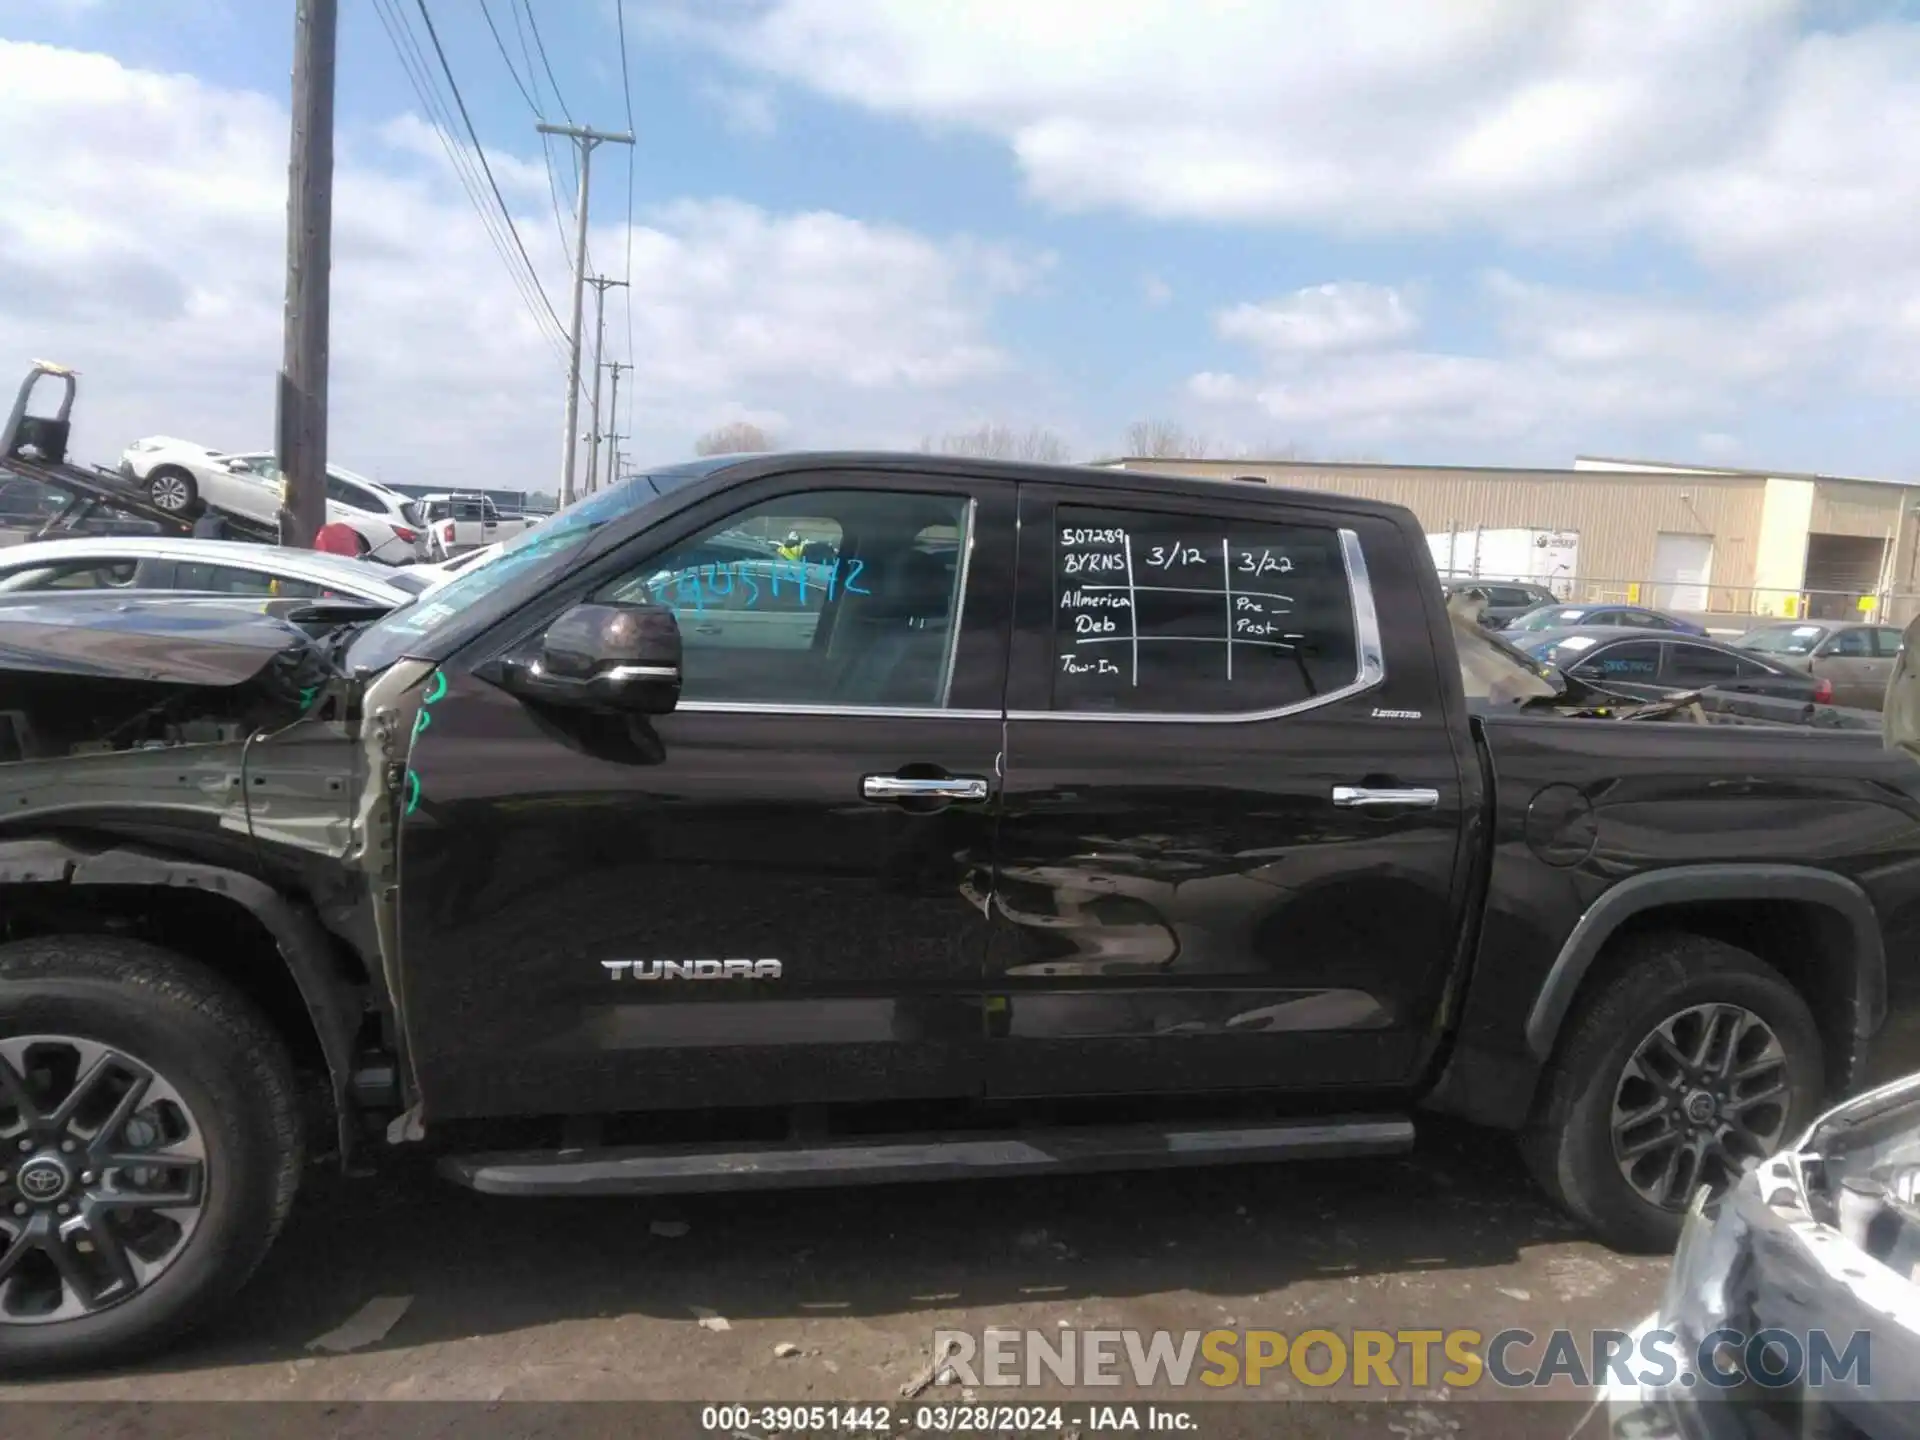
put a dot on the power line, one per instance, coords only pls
(553, 183)
(540, 45)
(511, 69)
(472, 135)
(626, 89)
(414, 66)
(533, 79)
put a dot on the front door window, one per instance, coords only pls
(844, 598)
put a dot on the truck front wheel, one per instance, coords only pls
(149, 1148)
(1694, 1062)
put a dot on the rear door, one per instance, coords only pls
(823, 799)
(1205, 881)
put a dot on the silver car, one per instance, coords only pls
(201, 567)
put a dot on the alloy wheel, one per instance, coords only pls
(169, 493)
(103, 1177)
(1702, 1100)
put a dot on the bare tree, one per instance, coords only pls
(1164, 440)
(1002, 442)
(736, 437)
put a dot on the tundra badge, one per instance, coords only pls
(693, 969)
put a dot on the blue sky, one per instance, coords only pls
(1502, 233)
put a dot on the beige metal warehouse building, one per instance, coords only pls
(1742, 542)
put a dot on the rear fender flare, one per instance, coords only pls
(1866, 959)
(296, 931)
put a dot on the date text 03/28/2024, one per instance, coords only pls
(961, 1419)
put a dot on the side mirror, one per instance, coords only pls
(239, 467)
(604, 657)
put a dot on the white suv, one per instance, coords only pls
(181, 477)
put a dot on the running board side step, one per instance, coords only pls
(678, 1169)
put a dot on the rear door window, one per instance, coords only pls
(347, 493)
(1850, 645)
(1697, 665)
(1197, 615)
(1888, 642)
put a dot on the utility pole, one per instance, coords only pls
(600, 285)
(301, 404)
(587, 139)
(613, 414)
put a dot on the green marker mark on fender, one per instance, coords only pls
(420, 722)
(439, 687)
(413, 792)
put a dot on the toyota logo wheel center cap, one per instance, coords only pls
(43, 1179)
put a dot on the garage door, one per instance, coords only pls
(1682, 570)
(1840, 569)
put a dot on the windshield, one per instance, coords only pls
(1784, 640)
(522, 566)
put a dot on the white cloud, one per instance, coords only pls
(1157, 291)
(154, 264)
(1718, 122)
(1322, 319)
(744, 109)
(1575, 365)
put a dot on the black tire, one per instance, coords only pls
(1569, 1143)
(232, 1073)
(173, 489)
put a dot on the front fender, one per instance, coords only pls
(296, 931)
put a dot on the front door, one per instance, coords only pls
(774, 895)
(1193, 896)
(1851, 662)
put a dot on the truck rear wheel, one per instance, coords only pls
(150, 1148)
(1693, 1063)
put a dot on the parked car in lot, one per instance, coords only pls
(459, 523)
(1506, 601)
(181, 477)
(207, 567)
(1791, 1307)
(1623, 617)
(1856, 658)
(1652, 663)
(978, 853)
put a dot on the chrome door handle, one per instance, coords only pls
(1362, 797)
(899, 787)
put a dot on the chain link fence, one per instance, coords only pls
(1737, 605)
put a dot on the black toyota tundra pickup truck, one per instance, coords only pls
(818, 819)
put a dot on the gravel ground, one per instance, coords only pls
(834, 1295)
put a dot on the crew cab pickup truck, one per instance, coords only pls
(1037, 819)
(459, 523)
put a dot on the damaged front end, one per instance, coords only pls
(1793, 1305)
(97, 675)
(154, 730)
